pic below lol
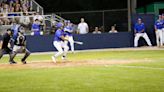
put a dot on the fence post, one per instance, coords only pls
(31, 5)
(103, 20)
(129, 14)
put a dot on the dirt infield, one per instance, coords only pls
(50, 64)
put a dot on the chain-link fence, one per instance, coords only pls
(103, 19)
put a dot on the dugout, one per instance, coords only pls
(148, 20)
(153, 8)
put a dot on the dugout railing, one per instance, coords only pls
(37, 7)
(48, 20)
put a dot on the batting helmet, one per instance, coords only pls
(58, 25)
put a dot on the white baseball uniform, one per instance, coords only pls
(159, 34)
(140, 32)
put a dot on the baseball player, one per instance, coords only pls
(15, 27)
(163, 26)
(59, 43)
(139, 30)
(68, 32)
(36, 28)
(20, 46)
(5, 48)
(158, 29)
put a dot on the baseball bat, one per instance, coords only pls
(78, 42)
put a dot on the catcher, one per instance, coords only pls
(20, 46)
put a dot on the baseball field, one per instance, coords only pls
(121, 70)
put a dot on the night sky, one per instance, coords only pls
(85, 5)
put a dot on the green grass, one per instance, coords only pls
(111, 78)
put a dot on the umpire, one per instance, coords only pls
(4, 46)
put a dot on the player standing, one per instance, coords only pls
(68, 32)
(163, 26)
(20, 46)
(36, 28)
(82, 27)
(15, 27)
(158, 29)
(4, 48)
(139, 30)
(59, 43)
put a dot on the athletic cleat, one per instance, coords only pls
(13, 62)
(53, 59)
(63, 58)
(73, 52)
(23, 61)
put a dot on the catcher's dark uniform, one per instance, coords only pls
(5, 49)
(20, 47)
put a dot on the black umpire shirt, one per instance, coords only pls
(5, 39)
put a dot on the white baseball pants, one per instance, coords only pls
(144, 35)
(163, 35)
(71, 41)
(61, 47)
(159, 37)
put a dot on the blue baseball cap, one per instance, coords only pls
(58, 25)
(67, 21)
(139, 19)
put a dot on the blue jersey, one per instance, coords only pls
(68, 30)
(15, 29)
(35, 27)
(139, 27)
(58, 34)
(163, 23)
(159, 24)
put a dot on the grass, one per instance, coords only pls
(111, 78)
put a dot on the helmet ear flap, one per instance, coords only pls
(21, 29)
